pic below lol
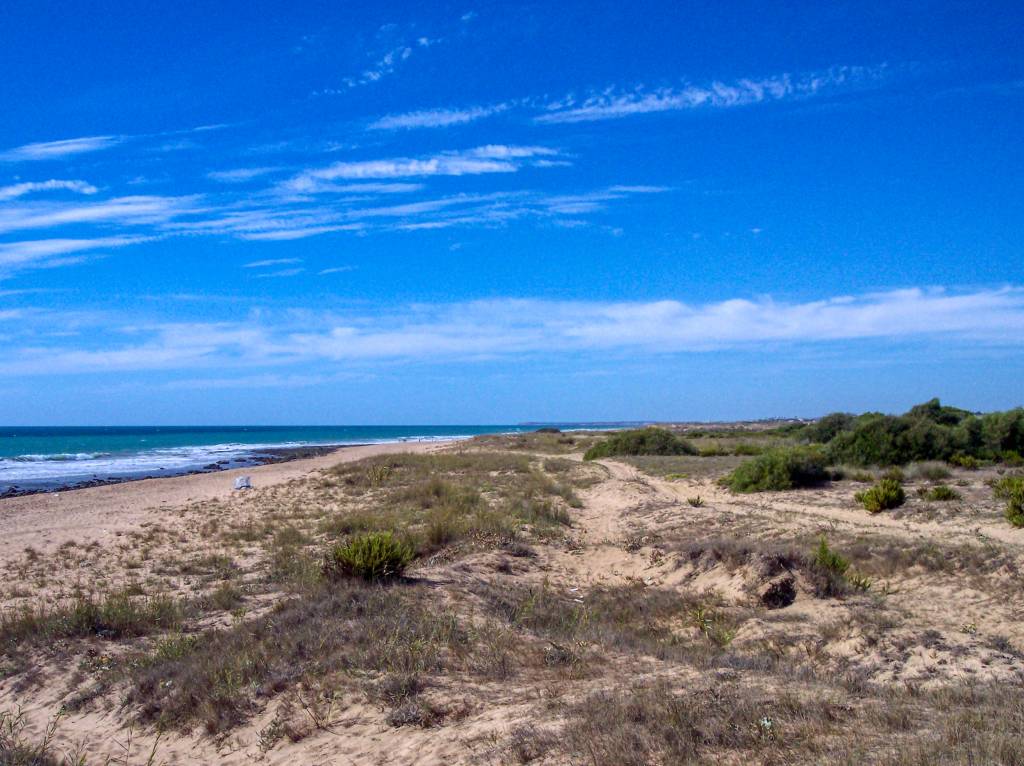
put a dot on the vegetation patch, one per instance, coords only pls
(1011, 489)
(886, 494)
(338, 630)
(780, 469)
(641, 441)
(941, 494)
(375, 556)
(927, 432)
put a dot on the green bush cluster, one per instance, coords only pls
(641, 441)
(780, 468)
(942, 494)
(1011, 489)
(888, 493)
(372, 556)
(929, 431)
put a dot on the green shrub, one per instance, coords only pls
(964, 461)
(827, 428)
(1011, 457)
(372, 556)
(747, 449)
(641, 441)
(828, 571)
(1011, 489)
(888, 493)
(780, 469)
(827, 559)
(942, 494)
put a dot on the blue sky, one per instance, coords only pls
(270, 212)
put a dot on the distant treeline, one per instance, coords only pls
(929, 431)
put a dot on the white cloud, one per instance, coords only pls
(271, 262)
(611, 103)
(335, 270)
(239, 175)
(53, 252)
(30, 187)
(51, 150)
(511, 327)
(281, 273)
(133, 210)
(436, 118)
(298, 233)
(306, 185)
(386, 65)
(483, 159)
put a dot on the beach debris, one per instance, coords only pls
(243, 482)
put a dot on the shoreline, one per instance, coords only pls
(46, 520)
(270, 456)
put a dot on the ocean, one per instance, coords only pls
(45, 458)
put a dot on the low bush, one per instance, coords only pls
(888, 493)
(780, 469)
(964, 461)
(1011, 489)
(828, 571)
(746, 449)
(941, 494)
(373, 556)
(641, 441)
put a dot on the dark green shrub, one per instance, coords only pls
(1011, 489)
(827, 428)
(888, 493)
(641, 441)
(372, 556)
(780, 469)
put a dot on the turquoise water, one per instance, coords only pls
(50, 458)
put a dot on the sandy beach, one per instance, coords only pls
(45, 521)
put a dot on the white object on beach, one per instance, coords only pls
(243, 482)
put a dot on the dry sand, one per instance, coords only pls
(45, 521)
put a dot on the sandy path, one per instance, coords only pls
(45, 521)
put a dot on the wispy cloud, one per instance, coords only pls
(240, 175)
(304, 184)
(298, 233)
(271, 262)
(135, 210)
(492, 158)
(30, 187)
(508, 327)
(436, 118)
(335, 270)
(612, 103)
(383, 66)
(281, 273)
(51, 252)
(53, 150)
